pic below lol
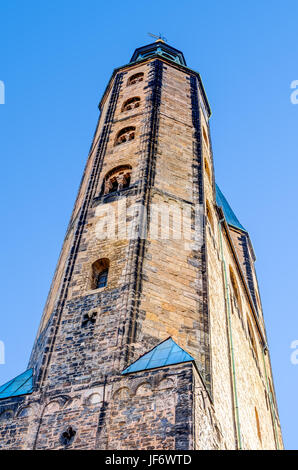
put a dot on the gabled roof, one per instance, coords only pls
(228, 211)
(164, 354)
(20, 385)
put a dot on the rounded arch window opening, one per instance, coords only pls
(100, 271)
(136, 78)
(125, 135)
(132, 103)
(117, 179)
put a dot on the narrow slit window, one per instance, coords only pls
(207, 170)
(258, 425)
(205, 137)
(209, 215)
(102, 279)
(252, 338)
(100, 272)
(235, 295)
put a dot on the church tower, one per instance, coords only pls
(153, 334)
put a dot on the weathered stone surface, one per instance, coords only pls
(159, 287)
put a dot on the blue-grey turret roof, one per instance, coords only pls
(228, 211)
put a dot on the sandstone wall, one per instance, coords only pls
(162, 286)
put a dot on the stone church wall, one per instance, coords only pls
(146, 410)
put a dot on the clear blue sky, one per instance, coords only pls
(56, 58)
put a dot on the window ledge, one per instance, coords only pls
(115, 195)
(96, 291)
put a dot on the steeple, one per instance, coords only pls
(134, 346)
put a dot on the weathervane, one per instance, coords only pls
(158, 37)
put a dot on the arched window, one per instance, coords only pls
(100, 271)
(136, 78)
(132, 103)
(125, 135)
(252, 338)
(209, 215)
(235, 295)
(258, 425)
(207, 170)
(117, 179)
